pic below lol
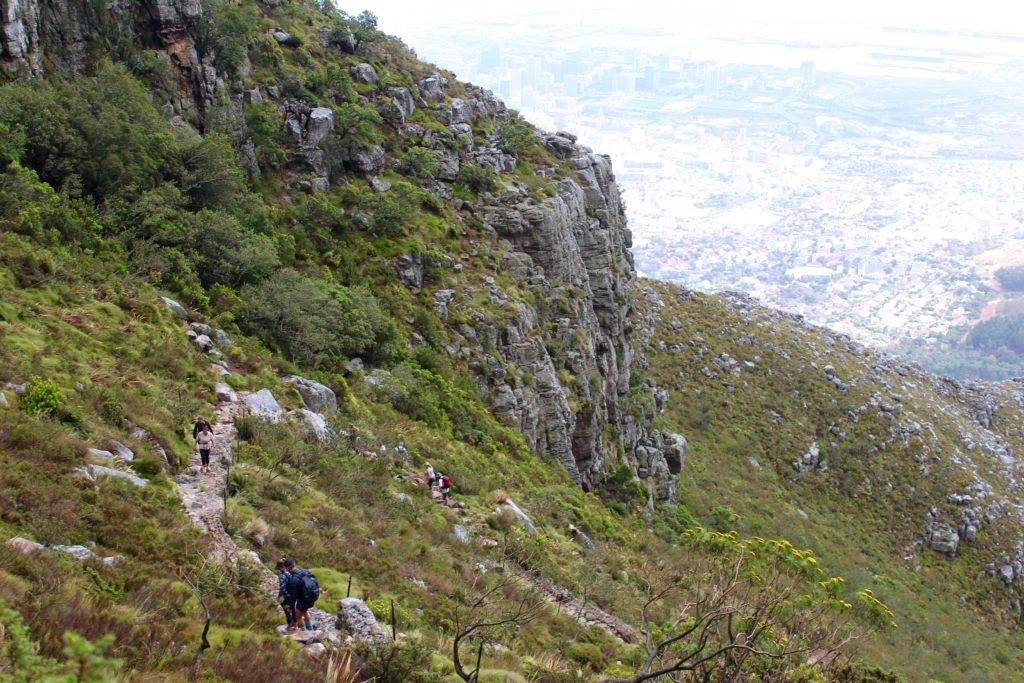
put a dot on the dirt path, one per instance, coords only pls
(203, 492)
(203, 500)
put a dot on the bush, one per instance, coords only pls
(317, 323)
(402, 662)
(100, 134)
(478, 178)
(42, 397)
(588, 655)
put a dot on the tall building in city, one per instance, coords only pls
(808, 75)
(490, 58)
(714, 79)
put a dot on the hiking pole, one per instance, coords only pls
(393, 637)
(348, 591)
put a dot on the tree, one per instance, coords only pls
(365, 29)
(318, 323)
(743, 606)
(494, 601)
(1011, 278)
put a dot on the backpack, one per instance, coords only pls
(446, 481)
(309, 587)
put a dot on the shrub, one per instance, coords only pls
(588, 655)
(478, 178)
(402, 662)
(318, 323)
(42, 397)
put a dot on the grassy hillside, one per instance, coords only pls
(753, 390)
(195, 163)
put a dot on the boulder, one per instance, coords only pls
(315, 396)
(314, 649)
(314, 422)
(100, 471)
(368, 161)
(431, 88)
(177, 308)
(25, 546)
(221, 338)
(342, 39)
(461, 534)
(83, 473)
(675, 451)
(200, 328)
(100, 453)
(942, 539)
(355, 618)
(202, 342)
(520, 515)
(409, 269)
(4, 403)
(122, 451)
(403, 100)
(319, 185)
(363, 73)
(79, 552)
(581, 538)
(225, 393)
(286, 39)
(263, 404)
(319, 125)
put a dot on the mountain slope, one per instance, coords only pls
(324, 205)
(896, 478)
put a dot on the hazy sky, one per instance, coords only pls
(408, 16)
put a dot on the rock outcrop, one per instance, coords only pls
(357, 621)
(568, 342)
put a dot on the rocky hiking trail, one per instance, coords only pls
(585, 613)
(203, 497)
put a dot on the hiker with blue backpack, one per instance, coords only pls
(302, 590)
(285, 593)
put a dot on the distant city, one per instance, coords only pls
(876, 196)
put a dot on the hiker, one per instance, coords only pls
(205, 441)
(400, 449)
(198, 426)
(431, 477)
(446, 488)
(286, 592)
(306, 588)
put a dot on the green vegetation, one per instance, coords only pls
(1003, 332)
(1011, 278)
(106, 204)
(862, 512)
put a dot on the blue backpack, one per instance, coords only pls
(309, 587)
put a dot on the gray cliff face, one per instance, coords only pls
(55, 35)
(572, 349)
(557, 364)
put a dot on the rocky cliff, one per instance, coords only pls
(555, 355)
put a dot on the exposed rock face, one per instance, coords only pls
(263, 404)
(19, 36)
(571, 350)
(315, 396)
(57, 35)
(356, 618)
(363, 73)
(572, 251)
